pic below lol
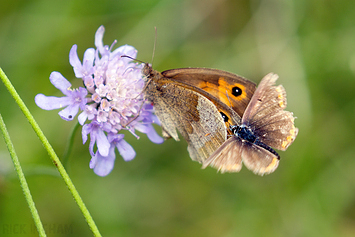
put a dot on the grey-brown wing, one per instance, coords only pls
(232, 153)
(193, 115)
(227, 158)
(266, 115)
(258, 159)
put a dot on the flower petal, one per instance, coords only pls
(82, 117)
(69, 112)
(143, 128)
(126, 150)
(102, 143)
(60, 82)
(88, 60)
(98, 38)
(51, 102)
(153, 136)
(103, 165)
(75, 61)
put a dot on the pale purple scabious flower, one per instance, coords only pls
(111, 100)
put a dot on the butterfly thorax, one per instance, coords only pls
(244, 133)
(247, 134)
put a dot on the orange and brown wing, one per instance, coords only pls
(230, 89)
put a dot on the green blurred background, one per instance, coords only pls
(310, 44)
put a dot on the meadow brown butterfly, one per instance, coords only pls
(189, 100)
(208, 105)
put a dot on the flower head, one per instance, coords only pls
(111, 100)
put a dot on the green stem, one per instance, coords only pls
(22, 178)
(51, 153)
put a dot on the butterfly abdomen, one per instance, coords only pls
(266, 147)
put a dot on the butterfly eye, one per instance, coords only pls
(224, 116)
(236, 91)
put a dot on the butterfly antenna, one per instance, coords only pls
(155, 43)
(126, 56)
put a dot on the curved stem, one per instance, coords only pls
(21, 176)
(51, 153)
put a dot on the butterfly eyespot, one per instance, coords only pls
(224, 116)
(237, 91)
